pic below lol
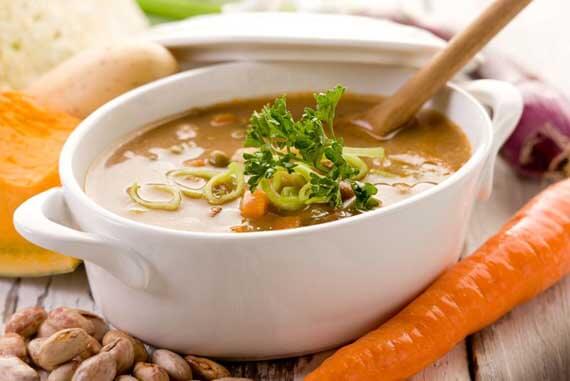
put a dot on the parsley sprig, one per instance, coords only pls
(284, 143)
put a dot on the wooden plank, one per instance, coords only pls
(531, 343)
(50, 292)
(8, 296)
(71, 290)
(452, 367)
(275, 370)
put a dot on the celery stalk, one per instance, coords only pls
(180, 9)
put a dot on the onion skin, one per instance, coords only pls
(540, 145)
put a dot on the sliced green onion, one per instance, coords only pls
(374, 152)
(281, 201)
(357, 163)
(201, 173)
(233, 177)
(172, 204)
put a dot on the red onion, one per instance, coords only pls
(540, 145)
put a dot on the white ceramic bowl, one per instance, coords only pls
(267, 294)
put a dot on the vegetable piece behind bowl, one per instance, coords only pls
(32, 134)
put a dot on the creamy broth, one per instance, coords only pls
(417, 158)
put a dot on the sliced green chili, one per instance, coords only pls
(233, 177)
(172, 204)
(201, 173)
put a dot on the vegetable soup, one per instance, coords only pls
(259, 164)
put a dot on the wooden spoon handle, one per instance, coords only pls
(398, 109)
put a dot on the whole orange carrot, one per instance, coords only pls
(528, 255)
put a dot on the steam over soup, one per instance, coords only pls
(261, 164)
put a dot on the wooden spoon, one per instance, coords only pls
(401, 107)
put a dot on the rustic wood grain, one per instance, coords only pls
(452, 367)
(531, 343)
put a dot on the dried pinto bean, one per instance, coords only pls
(61, 347)
(64, 318)
(93, 347)
(123, 353)
(13, 344)
(14, 369)
(141, 355)
(125, 378)
(34, 349)
(64, 372)
(99, 324)
(145, 371)
(346, 192)
(218, 159)
(206, 368)
(101, 367)
(46, 329)
(234, 379)
(26, 322)
(176, 367)
(44, 374)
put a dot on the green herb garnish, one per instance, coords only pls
(303, 147)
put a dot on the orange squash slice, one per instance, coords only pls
(31, 138)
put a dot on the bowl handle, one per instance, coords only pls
(506, 106)
(45, 221)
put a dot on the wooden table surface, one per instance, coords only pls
(530, 343)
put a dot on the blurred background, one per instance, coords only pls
(539, 38)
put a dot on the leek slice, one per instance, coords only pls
(383, 173)
(289, 191)
(373, 152)
(283, 179)
(305, 171)
(284, 202)
(172, 204)
(200, 173)
(304, 196)
(357, 163)
(233, 177)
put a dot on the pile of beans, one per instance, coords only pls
(69, 344)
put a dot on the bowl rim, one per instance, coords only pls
(71, 185)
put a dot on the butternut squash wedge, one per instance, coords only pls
(31, 138)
